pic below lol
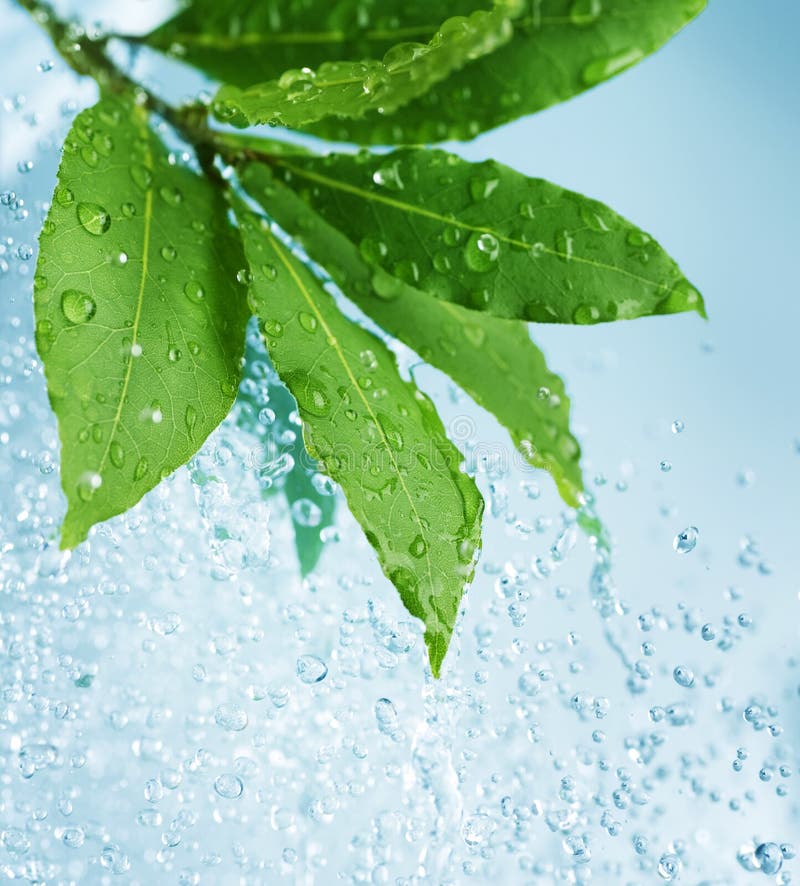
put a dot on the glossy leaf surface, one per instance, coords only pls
(493, 360)
(374, 434)
(139, 316)
(489, 238)
(560, 48)
(351, 88)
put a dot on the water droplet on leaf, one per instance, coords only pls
(93, 218)
(77, 306)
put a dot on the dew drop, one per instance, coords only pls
(307, 321)
(93, 218)
(482, 251)
(141, 176)
(64, 196)
(373, 250)
(585, 315)
(190, 420)
(171, 196)
(683, 297)
(388, 177)
(418, 547)
(193, 291)
(585, 12)
(88, 484)
(117, 454)
(77, 306)
(481, 188)
(637, 238)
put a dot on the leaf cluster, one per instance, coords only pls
(149, 269)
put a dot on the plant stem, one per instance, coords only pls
(88, 57)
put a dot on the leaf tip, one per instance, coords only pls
(437, 644)
(71, 536)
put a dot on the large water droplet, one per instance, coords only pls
(482, 251)
(389, 177)
(308, 321)
(683, 297)
(94, 218)
(88, 484)
(77, 306)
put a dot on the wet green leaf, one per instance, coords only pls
(493, 360)
(254, 41)
(139, 318)
(488, 238)
(315, 508)
(376, 435)
(560, 48)
(310, 511)
(351, 88)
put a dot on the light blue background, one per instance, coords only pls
(698, 145)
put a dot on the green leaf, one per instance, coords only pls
(376, 435)
(560, 48)
(493, 360)
(139, 319)
(316, 509)
(486, 237)
(310, 512)
(257, 41)
(351, 88)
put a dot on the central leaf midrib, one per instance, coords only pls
(148, 216)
